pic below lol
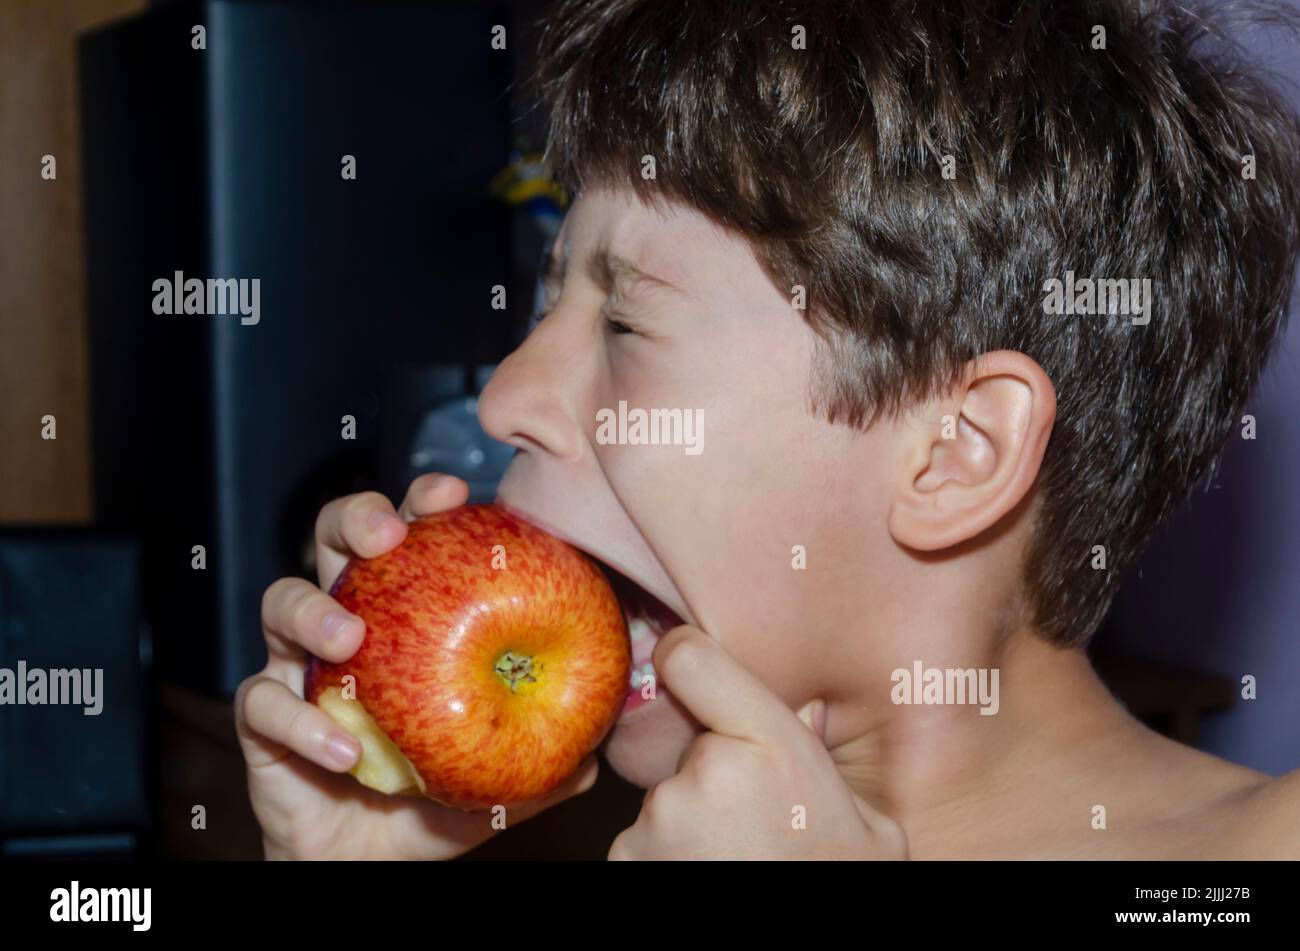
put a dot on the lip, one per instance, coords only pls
(642, 709)
(667, 599)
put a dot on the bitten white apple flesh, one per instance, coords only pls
(382, 765)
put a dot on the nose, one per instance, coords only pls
(531, 402)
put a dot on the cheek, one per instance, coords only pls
(639, 380)
(768, 571)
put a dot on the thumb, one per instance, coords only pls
(813, 714)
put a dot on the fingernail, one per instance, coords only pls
(805, 714)
(342, 750)
(819, 718)
(813, 714)
(378, 519)
(339, 627)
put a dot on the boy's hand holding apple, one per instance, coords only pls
(298, 757)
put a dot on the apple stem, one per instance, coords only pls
(514, 669)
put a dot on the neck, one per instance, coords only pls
(956, 780)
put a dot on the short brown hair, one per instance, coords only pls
(1126, 160)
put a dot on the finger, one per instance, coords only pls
(724, 696)
(629, 845)
(433, 492)
(271, 719)
(363, 525)
(298, 617)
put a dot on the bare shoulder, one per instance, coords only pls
(1240, 813)
(1263, 822)
(1209, 808)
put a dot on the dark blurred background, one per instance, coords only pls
(190, 454)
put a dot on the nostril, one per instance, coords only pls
(526, 443)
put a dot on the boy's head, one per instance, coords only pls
(856, 213)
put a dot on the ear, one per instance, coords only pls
(971, 456)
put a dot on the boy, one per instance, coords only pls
(838, 234)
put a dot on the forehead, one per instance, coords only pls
(673, 242)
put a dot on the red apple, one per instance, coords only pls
(495, 659)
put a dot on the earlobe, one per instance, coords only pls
(976, 452)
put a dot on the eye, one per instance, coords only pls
(617, 326)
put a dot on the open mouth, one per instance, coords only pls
(648, 619)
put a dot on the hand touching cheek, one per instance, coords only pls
(760, 784)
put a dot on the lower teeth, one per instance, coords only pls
(641, 676)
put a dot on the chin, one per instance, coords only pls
(645, 746)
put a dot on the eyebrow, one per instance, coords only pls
(605, 269)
